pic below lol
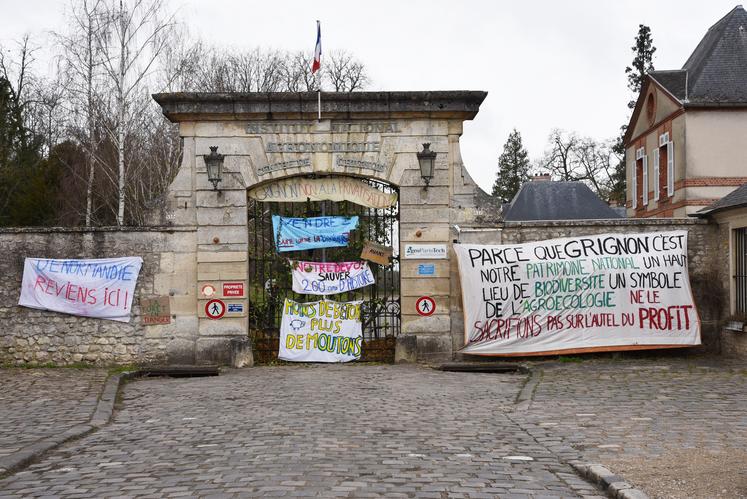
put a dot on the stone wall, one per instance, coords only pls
(37, 336)
(707, 257)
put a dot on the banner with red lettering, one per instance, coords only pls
(101, 288)
(329, 278)
(591, 293)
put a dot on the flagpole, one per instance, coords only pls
(318, 80)
(317, 66)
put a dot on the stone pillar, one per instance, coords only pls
(424, 220)
(221, 243)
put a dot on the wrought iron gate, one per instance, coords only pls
(270, 274)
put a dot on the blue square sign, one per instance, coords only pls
(426, 269)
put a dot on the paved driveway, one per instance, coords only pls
(37, 403)
(344, 431)
(677, 428)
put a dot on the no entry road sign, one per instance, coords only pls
(215, 309)
(425, 305)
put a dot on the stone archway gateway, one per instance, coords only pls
(376, 204)
(268, 138)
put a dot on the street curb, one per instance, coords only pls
(614, 485)
(524, 398)
(101, 415)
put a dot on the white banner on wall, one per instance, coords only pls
(328, 278)
(101, 288)
(322, 331)
(604, 292)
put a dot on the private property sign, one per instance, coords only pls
(233, 289)
(604, 292)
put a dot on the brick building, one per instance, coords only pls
(686, 142)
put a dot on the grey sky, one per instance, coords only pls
(545, 65)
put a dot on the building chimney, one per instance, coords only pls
(541, 177)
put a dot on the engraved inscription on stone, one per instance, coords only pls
(306, 147)
(283, 165)
(262, 128)
(356, 163)
(387, 127)
(295, 128)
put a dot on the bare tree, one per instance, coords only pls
(561, 159)
(570, 157)
(344, 72)
(17, 71)
(297, 76)
(83, 61)
(181, 61)
(262, 70)
(47, 99)
(598, 160)
(132, 36)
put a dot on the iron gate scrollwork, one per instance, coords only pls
(270, 279)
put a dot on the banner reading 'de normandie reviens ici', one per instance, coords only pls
(101, 288)
(603, 292)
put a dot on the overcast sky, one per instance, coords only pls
(544, 65)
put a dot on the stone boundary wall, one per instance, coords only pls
(38, 336)
(707, 246)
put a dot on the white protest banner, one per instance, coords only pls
(333, 188)
(590, 293)
(321, 331)
(328, 278)
(101, 288)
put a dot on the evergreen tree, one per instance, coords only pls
(617, 192)
(27, 187)
(643, 51)
(513, 168)
(642, 62)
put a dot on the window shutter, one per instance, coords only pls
(670, 169)
(655, 159)
(644, 178)
(634, 183)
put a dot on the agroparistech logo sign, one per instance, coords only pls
(426, 251)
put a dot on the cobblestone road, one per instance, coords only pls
(37, 403)
(674, 427)
(346, 431)
(677, 428)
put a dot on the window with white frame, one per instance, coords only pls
(655, 159)
(639, 154)
(667, 147)
(644, 181)
(670, 169)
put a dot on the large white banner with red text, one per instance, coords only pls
(101, 288)
(589, 293)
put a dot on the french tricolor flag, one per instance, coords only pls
(317, 50)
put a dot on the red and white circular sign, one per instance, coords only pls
(215, 309)
(208, 290)
(425, 305)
